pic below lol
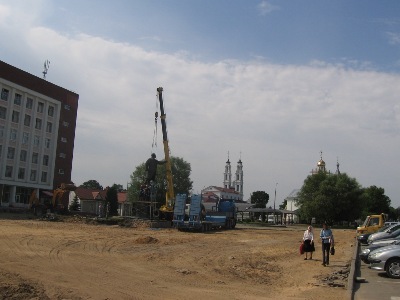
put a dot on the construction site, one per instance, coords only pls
(178, 249)
(75, 259)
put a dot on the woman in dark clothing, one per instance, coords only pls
(308, 240)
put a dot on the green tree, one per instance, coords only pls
(330, 198)
(92, 185)
(119, 187)
(375, 201)
(283, 205)
(180, 177)
(75, 206)
(112, 200)
(259, 199)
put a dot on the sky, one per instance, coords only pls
(272, 83)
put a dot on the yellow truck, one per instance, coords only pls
(372, 224)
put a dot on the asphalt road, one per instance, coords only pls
(377, 285)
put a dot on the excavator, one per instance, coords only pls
(36, 206)
(59, 192)
(166, 210)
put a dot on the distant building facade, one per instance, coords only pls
(292, 206)
(232, 187)
(37, 135)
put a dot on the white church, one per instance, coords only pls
(232, 187)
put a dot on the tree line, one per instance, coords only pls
(325, 196)
(337, 197)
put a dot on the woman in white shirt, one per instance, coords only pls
(308, 240)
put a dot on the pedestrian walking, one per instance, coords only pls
(308, 240)
(326, 236)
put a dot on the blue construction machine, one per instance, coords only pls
(222, 216)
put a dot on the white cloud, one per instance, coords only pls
(266, 7)
(394, 38)
(278, 116)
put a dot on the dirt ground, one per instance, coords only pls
(76, 260)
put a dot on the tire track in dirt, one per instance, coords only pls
(57, 253)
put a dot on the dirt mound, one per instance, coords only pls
(13, 287)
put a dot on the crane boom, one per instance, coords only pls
(170, 196)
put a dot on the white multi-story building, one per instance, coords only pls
(37, 133)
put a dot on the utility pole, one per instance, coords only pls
(274, 203)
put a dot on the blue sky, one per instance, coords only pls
(272, 82)
(278, 31)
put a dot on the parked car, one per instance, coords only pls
(363, 238)
(378, 244)
(388, 233)
(391, 223)
(386, 259)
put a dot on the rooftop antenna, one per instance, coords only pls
(46, 68)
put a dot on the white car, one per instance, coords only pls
(386, 259)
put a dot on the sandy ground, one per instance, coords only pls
(75, 260)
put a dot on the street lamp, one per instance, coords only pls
(274, 202)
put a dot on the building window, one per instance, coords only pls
(29, 103)
(66, 124)
(45, 160)
(17, 99)
(63, 139)
(38, 124)
(44, 177)
(21, 173)
(47, 143)
(36, 141)
(33, 175)
(27, 120)
(35, 156)
(3, 112)
(25, 138)
(60, 171)
(67, 107)
(11, 153)
(49, 127)
(15, 116)
(4, 94)
(13, 134)
(22, 155)
(50, 111)
(1, 132)
(9, 170)
(62, 155)
(1, 149)
(40, 107)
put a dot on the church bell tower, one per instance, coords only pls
(238, 182)
(227, 174)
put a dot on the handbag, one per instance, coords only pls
(332, 250)
(301, 249)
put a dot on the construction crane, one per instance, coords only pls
(167, 209)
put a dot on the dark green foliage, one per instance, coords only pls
(330, 198)
(374, 201)
(91, 184)
(112, 201)
(259, 199)
(75, 205)
(283, 205)
(181, 179)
